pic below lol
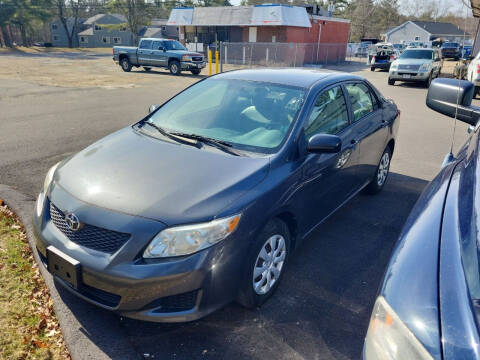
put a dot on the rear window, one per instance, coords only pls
(146, 44)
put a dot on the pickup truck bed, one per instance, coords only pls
(163, 53)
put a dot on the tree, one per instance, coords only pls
(137, 13)
(68, 12)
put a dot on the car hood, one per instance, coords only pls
(413, 61)
(173, 183)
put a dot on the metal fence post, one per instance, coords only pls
(251, 52)
(243, 59)
(275, 60)
(266, 57)
(295, 58)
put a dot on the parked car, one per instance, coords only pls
(400, 47)
(383, 59)
(204, 200)
(416, 65)
(450, 50)
(428, 303)
(466, 51)
(152, 52)
(416, 45)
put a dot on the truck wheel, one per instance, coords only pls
(125, 64)
(195, 71)
(391, 82)
(147, 69)
(174, 67)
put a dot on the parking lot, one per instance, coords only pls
(322, 308)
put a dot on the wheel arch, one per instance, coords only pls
(289, 219)
(391, 145)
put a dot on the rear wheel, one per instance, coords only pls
(372, 68)
(174, 67)
(147, 69)
(383, 168)
(195, 71)
(125, 64)
(391, 81)
(265, 264)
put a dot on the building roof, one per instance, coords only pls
(152, 32)
(303, 78)
(158, 22)
(94, 19)
(259, 15)
(439, 28)
(86, 32)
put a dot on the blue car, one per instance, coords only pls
(429, 302)
(204, 200)
(466, 51)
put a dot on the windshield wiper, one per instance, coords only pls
(167, 134)
(220, 144)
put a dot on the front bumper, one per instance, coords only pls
(164, 290)
(410, 76)
(192, 65)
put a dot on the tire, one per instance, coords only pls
(147, 69)
(174, 67)
(125, 64)
(254, 291)
(476, 92)
(381, 174)
(428, 81)
(195, 71)
(372, 68)
(391, 82)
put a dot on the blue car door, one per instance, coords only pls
(328, 180)
(371, 127)
(144, 52)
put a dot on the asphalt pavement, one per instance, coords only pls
(322, 308)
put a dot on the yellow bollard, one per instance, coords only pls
(209, 62)
(217, 62)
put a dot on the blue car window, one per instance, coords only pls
(157, 45)
(146, 44)
(329, 114)
(361, 100)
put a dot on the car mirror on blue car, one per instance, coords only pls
(324, 143)
(453, 98)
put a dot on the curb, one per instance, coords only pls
(89, 332)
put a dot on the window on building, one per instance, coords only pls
(329, 115)
(117, 40)
(98, 27)
(83, 39)
(54, 26)
(106, 39)
(55, 38)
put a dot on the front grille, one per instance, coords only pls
(175, 303)
(197, 58)
(409, 67)
(89, 236)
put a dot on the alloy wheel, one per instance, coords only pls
(269, 264)
(383, 168)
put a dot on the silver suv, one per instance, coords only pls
(416, 65)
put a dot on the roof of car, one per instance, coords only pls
(157, 39)
(304, 78)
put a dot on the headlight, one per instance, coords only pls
(184, 240)
(186, 58)
(425, 67)
(394, 66)
(49, 177)
(389, 338)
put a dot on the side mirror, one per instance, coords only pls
(152, 108)
(324, 143)
(444, 94)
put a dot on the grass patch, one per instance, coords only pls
(29, 328)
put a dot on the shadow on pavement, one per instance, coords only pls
(320, 311)
(166, 72)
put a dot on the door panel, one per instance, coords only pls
(144, 52)
(371, 128)
(328, 179)
(159, 56)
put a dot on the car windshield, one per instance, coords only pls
(417, 54)
(251, 115)
(174, 45)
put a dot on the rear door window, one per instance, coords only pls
(157, 45)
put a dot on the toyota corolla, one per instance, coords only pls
(204, 200)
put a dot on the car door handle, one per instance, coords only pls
(354, 142)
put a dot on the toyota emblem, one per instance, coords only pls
(72, 222)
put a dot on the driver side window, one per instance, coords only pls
(329, 114)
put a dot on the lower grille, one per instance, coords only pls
(89, 236)
(100, 296)
(174, 303)
(197, 58)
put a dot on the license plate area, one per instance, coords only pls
(407, 76)
(63, 266)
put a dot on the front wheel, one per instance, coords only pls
(174, 67)
(372, 68)
(125, 64)
(265, 264)
(391, 81)
(428, 81)
(147, 69)
(383, 168)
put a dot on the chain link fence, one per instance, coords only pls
(281, 54)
